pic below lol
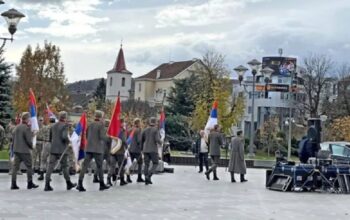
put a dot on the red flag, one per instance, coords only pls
(115, 125)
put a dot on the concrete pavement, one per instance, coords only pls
(182, 195)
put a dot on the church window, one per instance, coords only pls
(123, 82)
(139, 87)
(111, 82)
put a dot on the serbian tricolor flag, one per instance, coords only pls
(162, 125)
(50, 114)
(131, 136)
(114, 128)
(32, 110)
(213, 117)
(78, 138)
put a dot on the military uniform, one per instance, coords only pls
(45, 153)
(215, 141)
(59, 142)
(135, 152)
(9, 135)
(22, 146)
(94, 150)
(36, 154)
(118, 158)
(150, 138)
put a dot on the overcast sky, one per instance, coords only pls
(89, 32)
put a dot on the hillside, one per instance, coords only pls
(83, 87)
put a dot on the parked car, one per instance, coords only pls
(339, 151)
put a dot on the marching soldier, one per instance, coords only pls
(71, 158)
(9, 134)
(23, 144)
(215, 141)
(36, 153)
(45, 153)
(150, 138)
(118, 157)
(135, 150)
(94, 150)
(107, 149)
(59, 143)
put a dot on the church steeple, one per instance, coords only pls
(119, 65)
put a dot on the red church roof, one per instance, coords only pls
(119, 66)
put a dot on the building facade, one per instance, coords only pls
(119, 80)
(273, 99)
(154, 86)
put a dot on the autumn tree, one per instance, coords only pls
(43, 71)
(339, 129)
(6, 110)
(214, 84)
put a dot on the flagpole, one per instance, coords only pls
(61, 157)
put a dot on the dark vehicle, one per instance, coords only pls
(339, 151)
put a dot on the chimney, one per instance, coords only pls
(158, 74)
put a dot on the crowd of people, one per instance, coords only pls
(53, 148)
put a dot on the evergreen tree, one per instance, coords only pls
(6, 110)
(100, 93)
(181, 98)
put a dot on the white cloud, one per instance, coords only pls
(71, 19)
(210, 12)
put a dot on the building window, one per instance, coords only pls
(111, 82)
(123, 82)
(249, 110)
(139, 87)
(138, 99)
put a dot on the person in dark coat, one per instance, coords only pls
(150, 139)
(94, 150)
(59, 142)
(237, 162)
(215, 141)
(136, 149)
(22, 147)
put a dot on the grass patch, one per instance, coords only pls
(4, 155)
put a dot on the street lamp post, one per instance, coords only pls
(254, 65)
(292, 76)
(12, 18)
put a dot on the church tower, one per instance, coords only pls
(118, 79)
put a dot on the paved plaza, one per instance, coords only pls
(183, 195)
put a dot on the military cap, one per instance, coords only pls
(99, 114)
(62, 115)
(25, 116)
(152, 121)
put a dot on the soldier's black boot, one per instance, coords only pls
(128, 179)
(96, 180)
(14, 185)
(207, 174)
(215, 176)
(48, 187)
(148, 181)
(242, 179)
(103, 186)
(41, 177)
(70, 185)
(80, 186)
(139, 179)
(31, 185)
(122, 181)
(109, 181)
(233, 177)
